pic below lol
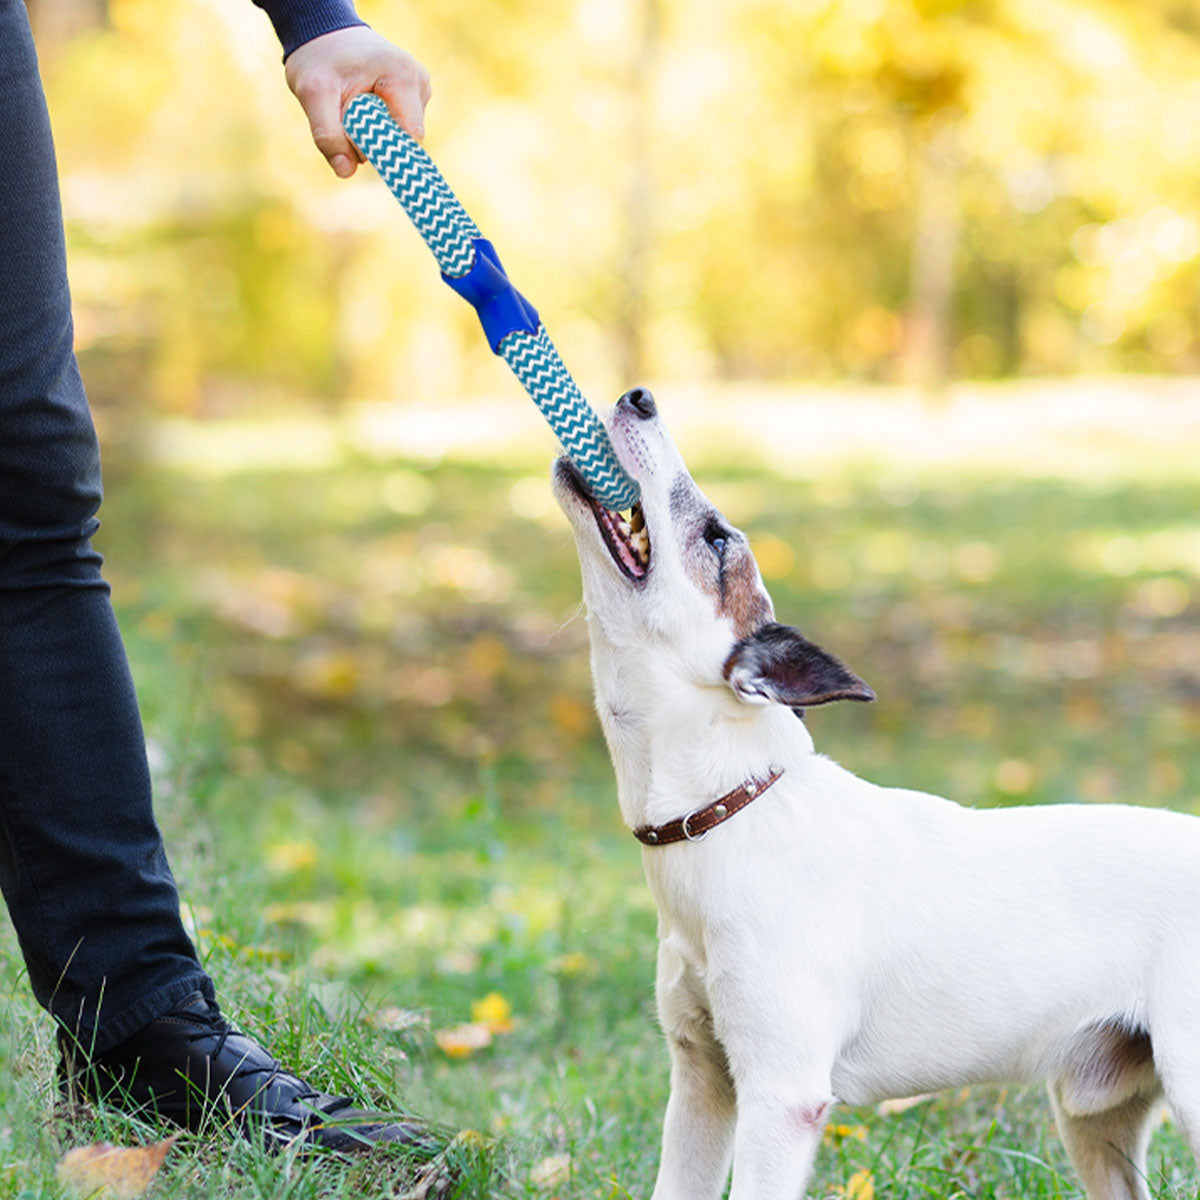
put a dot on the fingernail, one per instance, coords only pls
(341, 165)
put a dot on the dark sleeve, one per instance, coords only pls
(299, 21)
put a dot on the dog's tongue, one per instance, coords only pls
(628, 538)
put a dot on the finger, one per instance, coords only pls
(322, 103)
(406, 93)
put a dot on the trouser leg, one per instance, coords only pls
(82, 866)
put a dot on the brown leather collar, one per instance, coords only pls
(700, 820)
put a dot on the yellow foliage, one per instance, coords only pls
(229, 252)
(571, 716)
(490, 1016)
(775, 557)
(860, 1186)
(839, 1133)
(494, 1011)
(292, 856)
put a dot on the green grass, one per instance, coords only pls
(367, 694)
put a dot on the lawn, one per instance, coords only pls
(364, 680)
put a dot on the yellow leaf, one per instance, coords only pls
(860, 1186)
(839, 1133)
(460, 1041)
(494, 1012)
(112, 1170)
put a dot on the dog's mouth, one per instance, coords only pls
(624, 533)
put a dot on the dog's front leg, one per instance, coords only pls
(781, 1043)
(699, 1126)
(778, 1132)
(698, 1129)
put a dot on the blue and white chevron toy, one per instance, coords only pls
(470, 265)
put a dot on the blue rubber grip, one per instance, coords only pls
(500, 307)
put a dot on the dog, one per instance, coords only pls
(823, 939)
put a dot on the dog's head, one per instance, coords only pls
(676, 585)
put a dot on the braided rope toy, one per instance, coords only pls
(470, 265)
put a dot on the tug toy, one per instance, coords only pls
(470, 265)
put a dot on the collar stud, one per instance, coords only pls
(708, 817)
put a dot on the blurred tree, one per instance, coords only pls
(685, 188)
(640, 208)
(55, 22)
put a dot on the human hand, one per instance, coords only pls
(330, 70)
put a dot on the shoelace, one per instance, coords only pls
(219, 1026)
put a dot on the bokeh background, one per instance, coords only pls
(915, 283)
(777, 189)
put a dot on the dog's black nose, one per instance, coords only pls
(641, 401)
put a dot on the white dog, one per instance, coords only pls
(822, 939)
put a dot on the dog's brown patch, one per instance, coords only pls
(731, 577)
(743, 600)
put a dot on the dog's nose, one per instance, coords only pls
(641, 401)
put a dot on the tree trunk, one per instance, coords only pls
(926, 359)
(639, 205)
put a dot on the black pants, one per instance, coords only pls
(82, 865)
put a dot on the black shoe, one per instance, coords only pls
(191, 1067)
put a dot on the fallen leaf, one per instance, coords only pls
(889, 1108)
(460, 1041)
(439, 1178)
(493, 1011)
(396, 1020)
(551, 1172)
(860, 1186)
(121, 1171)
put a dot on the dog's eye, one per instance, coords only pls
(716, 538)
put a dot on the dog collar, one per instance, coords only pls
(700, 820)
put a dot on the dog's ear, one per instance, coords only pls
(775, 664)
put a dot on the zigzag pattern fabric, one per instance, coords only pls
(536, 363)
(443, 222)
(414, 180)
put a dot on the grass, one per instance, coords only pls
(385, 796)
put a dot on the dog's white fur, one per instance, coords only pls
(839, 941)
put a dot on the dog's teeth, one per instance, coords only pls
(636, 521)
